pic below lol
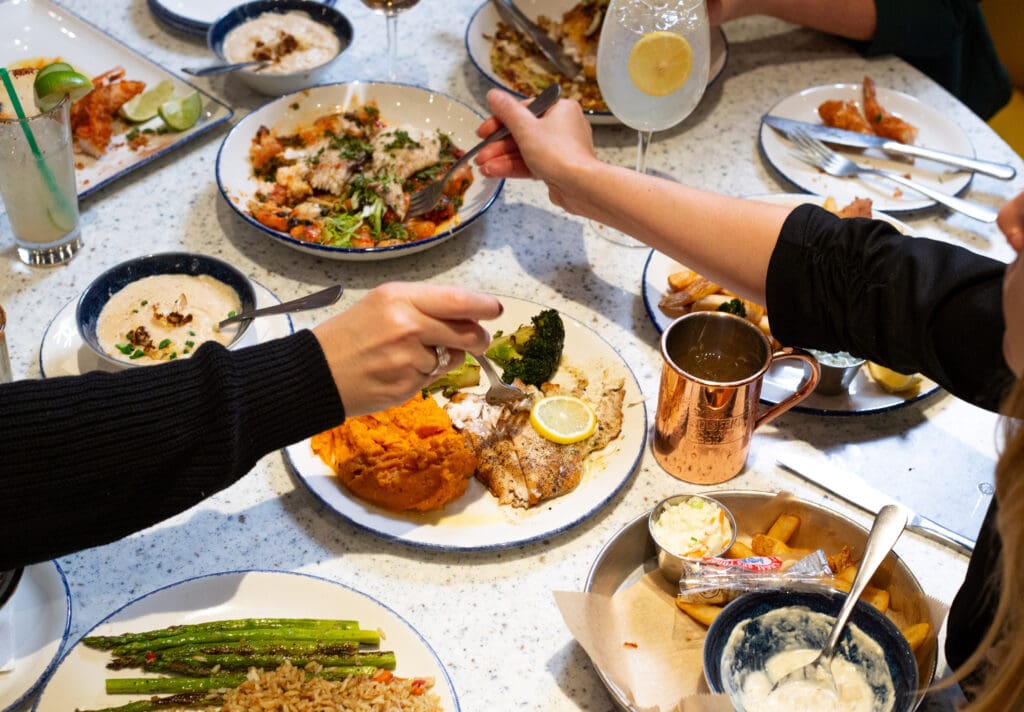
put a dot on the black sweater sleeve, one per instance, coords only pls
(912, 304)
(89, 459)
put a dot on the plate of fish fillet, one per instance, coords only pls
(524, 487)
(933, 130)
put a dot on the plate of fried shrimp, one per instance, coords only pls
(934, 130)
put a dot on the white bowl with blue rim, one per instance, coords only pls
(276, 84)
(100, 290)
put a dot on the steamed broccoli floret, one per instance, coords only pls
(733, 306)
(466, 375)
(532, 352)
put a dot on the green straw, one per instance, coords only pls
(51, 182)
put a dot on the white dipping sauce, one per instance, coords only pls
(165, 317)
(693, 528)
(860, 688)
(292, 41)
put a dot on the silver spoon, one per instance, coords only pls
(889, 524)
(322, 298)
(222, 68)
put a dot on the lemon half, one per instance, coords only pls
(893, 381)
(660, 63)
(563, 419)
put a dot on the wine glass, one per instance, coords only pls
(391, 8)
(652, 68)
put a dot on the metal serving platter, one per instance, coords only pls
(630, 555)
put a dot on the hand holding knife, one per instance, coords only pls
(858, 140)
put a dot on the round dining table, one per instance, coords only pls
(490, 615)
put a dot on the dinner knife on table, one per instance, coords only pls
(548, 47)
(861, 494)
(858, 140)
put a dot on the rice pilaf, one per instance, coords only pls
(288, 688)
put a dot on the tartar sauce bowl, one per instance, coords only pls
(837, 371)
(99, 292)
(757, 626)
(687, 527)
(278, 83)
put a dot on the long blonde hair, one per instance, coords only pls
(1000, 656)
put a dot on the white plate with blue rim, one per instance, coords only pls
(864, 395)
(78, 682)
(399, 104)
(193, 17)
(63, 352)
(935, 130)
(39, 31)
(484, 24)
(39, 613)
(476, 521)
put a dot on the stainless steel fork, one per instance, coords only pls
(500, 392)
(424, 199)
(812, 151)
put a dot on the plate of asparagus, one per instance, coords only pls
(189, 644)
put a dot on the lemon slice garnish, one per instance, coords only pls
(563, 419)
(893, 381)
(660, 63)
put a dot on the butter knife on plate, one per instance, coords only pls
(861, 494)
(859, 140)
(548, 47)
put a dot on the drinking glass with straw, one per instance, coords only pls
(37, 179)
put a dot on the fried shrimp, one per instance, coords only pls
(884, 123)
(92, 116)
(844, 115)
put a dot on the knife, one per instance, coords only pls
(548, 47)
(859, 493)
(859, 140)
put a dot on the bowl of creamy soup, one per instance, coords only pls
(163, 307)
(762, 635)
(297, 38)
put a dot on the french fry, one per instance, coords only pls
(916, 634)
(877, 597)
(764, 545)
(784, 527)
(703, 613)
(739, 550)
(841, 560)
(847, 573)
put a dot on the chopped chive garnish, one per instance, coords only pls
(164, 344)
(139, 353)
(232, 312)
(145, 302)
(190, 344)
(124, 348)
(174, 355)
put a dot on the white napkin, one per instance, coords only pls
(6, 639)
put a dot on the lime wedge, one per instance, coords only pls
(49, 89)
(144, 106)
(54, 67)
(181, 114)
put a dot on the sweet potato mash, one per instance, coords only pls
(404, 458)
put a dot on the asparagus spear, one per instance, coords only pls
(106, 642)
(211, 664)
(222, 681)
(369, 637)
(186, 700)
(281, 648)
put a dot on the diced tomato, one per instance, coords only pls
(382, 676)
(418, 686)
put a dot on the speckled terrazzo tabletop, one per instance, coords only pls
(491, 616)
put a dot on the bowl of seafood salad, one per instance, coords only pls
(163, 307)
(329, 170)
(297, 39)
(687, 527)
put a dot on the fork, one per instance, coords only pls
(500, 393)
(812, 151)
(424, 199)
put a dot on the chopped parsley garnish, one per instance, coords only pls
(402, 140)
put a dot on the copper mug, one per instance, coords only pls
(714, 364)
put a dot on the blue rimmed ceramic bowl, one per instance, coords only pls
(729, 659)
(98, 293)
(273, 83)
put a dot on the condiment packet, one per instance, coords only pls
(6, 639)
(715, 580)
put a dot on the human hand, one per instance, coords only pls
(1011, 222)
(551, 148)
(381, 350)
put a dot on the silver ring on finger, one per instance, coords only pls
(444, 359)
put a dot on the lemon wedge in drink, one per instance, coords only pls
(144, 106)
(51, 85)
(181, 114)
(563, 419)
(893, 381)
(660, 63)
